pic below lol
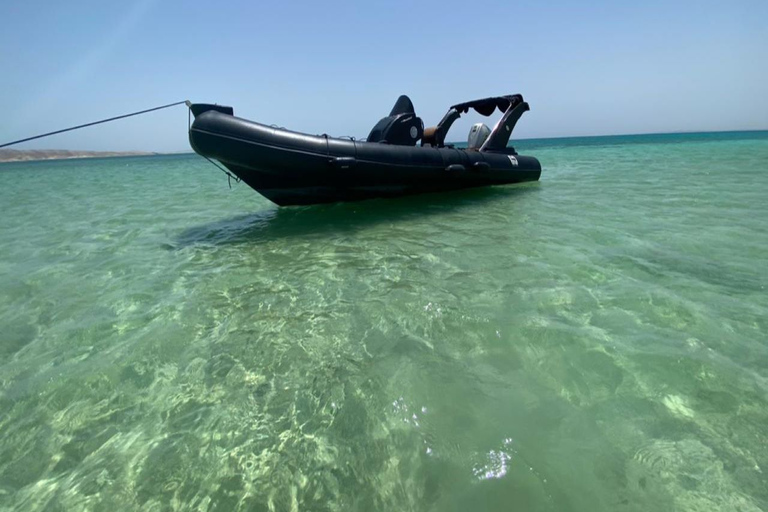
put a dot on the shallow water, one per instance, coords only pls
(594, 341)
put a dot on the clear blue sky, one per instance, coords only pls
(594, 67)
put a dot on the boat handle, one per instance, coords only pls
(455, 168)
(344, 162)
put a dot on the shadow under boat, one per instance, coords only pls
(340, 218)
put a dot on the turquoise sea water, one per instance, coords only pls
(595, 341)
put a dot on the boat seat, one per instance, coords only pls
(401, 127)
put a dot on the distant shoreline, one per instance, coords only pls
(32, 155)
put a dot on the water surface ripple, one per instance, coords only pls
(594, 341)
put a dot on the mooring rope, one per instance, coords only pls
(186, 102)
(230, 177)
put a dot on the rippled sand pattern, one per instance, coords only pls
(595, 341)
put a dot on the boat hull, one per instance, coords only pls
(291, 168)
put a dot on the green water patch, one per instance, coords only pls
(594, 341)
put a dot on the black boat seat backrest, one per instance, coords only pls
(403, 105)
(401, 127)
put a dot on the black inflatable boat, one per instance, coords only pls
(291, 168)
